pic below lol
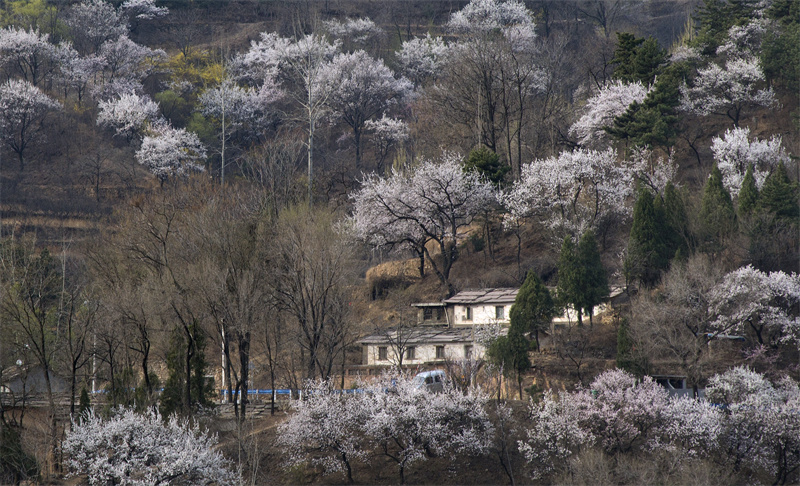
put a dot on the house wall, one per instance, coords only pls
(481, 314)
(423, 353)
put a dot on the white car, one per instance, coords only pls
(433, 381)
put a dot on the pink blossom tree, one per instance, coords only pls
(134, 449)
(23, 108)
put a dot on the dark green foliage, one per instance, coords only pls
(648, 250)
(653, 122)
(780, 48)
(717, 215)
(715, 17)
(487, 163)
(637, 59)
(678, 237)
(183, 347)
(624, 56)
(748, 194)
(533, 309)
(779, 195)
(582, 280)
(121, 390)
(511, 353)
(84, 403)
(593, 281)
(567, 288)
(16, 465)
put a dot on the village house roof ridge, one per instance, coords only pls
(484, 296)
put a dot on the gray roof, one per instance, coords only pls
(424, 335)
(484, 296)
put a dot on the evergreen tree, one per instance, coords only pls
(647, 247)
(84, 403)
(653, 122)
(624, 56)
(184, 394)
(533, 309)
(567, 289)
(779, 195)
(593, 285)
(748, 194)
(487, 163)
(717, 215)
(511, 353)
(715, 17)
(677, 221)
(626, 358)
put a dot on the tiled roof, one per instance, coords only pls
(484, 296)
(424, 335)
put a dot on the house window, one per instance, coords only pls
(411, 352)
(439, 314)
(468, 313)
(427, 313)
(499, 312)
(439, 352)
(468, 351)
(382, 354)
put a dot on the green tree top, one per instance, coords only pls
(716, 211)
(487, 163)
(533, 309)
(593, 284)
(748, 194)
(779, 195)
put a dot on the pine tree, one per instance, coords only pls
(779, 195)
(511, 353)
(716, 213)
(624, 56)
(174, 397)
(568, 277)
(593, 286)
(647, 248)
(678, 237)
(748, 194)
(533, 309)
(487, 163)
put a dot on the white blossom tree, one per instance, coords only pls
(408, 422)
(763, 302)
(298, 65)
(28, 54)
(608, 103)
(422, 58)
(171, 152)
(135, 449)
(727, 91)
(387, 133)
(359, 32)
(234, 108)
(431, 202)
(361, 88)
(326, 426)
(129, 115)
(77, 73)
(762, 427)
(572, 191)
(734, 153)
(23, 107)
(126, 64)
(93, 22)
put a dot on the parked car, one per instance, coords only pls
(433, 381)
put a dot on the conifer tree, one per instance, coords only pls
(748, 194)
(511, 353)
(647, 247)
(677, 221)
(568, 277)
(779, 195)
(533, 309)
(717, 215)
(593, 285)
